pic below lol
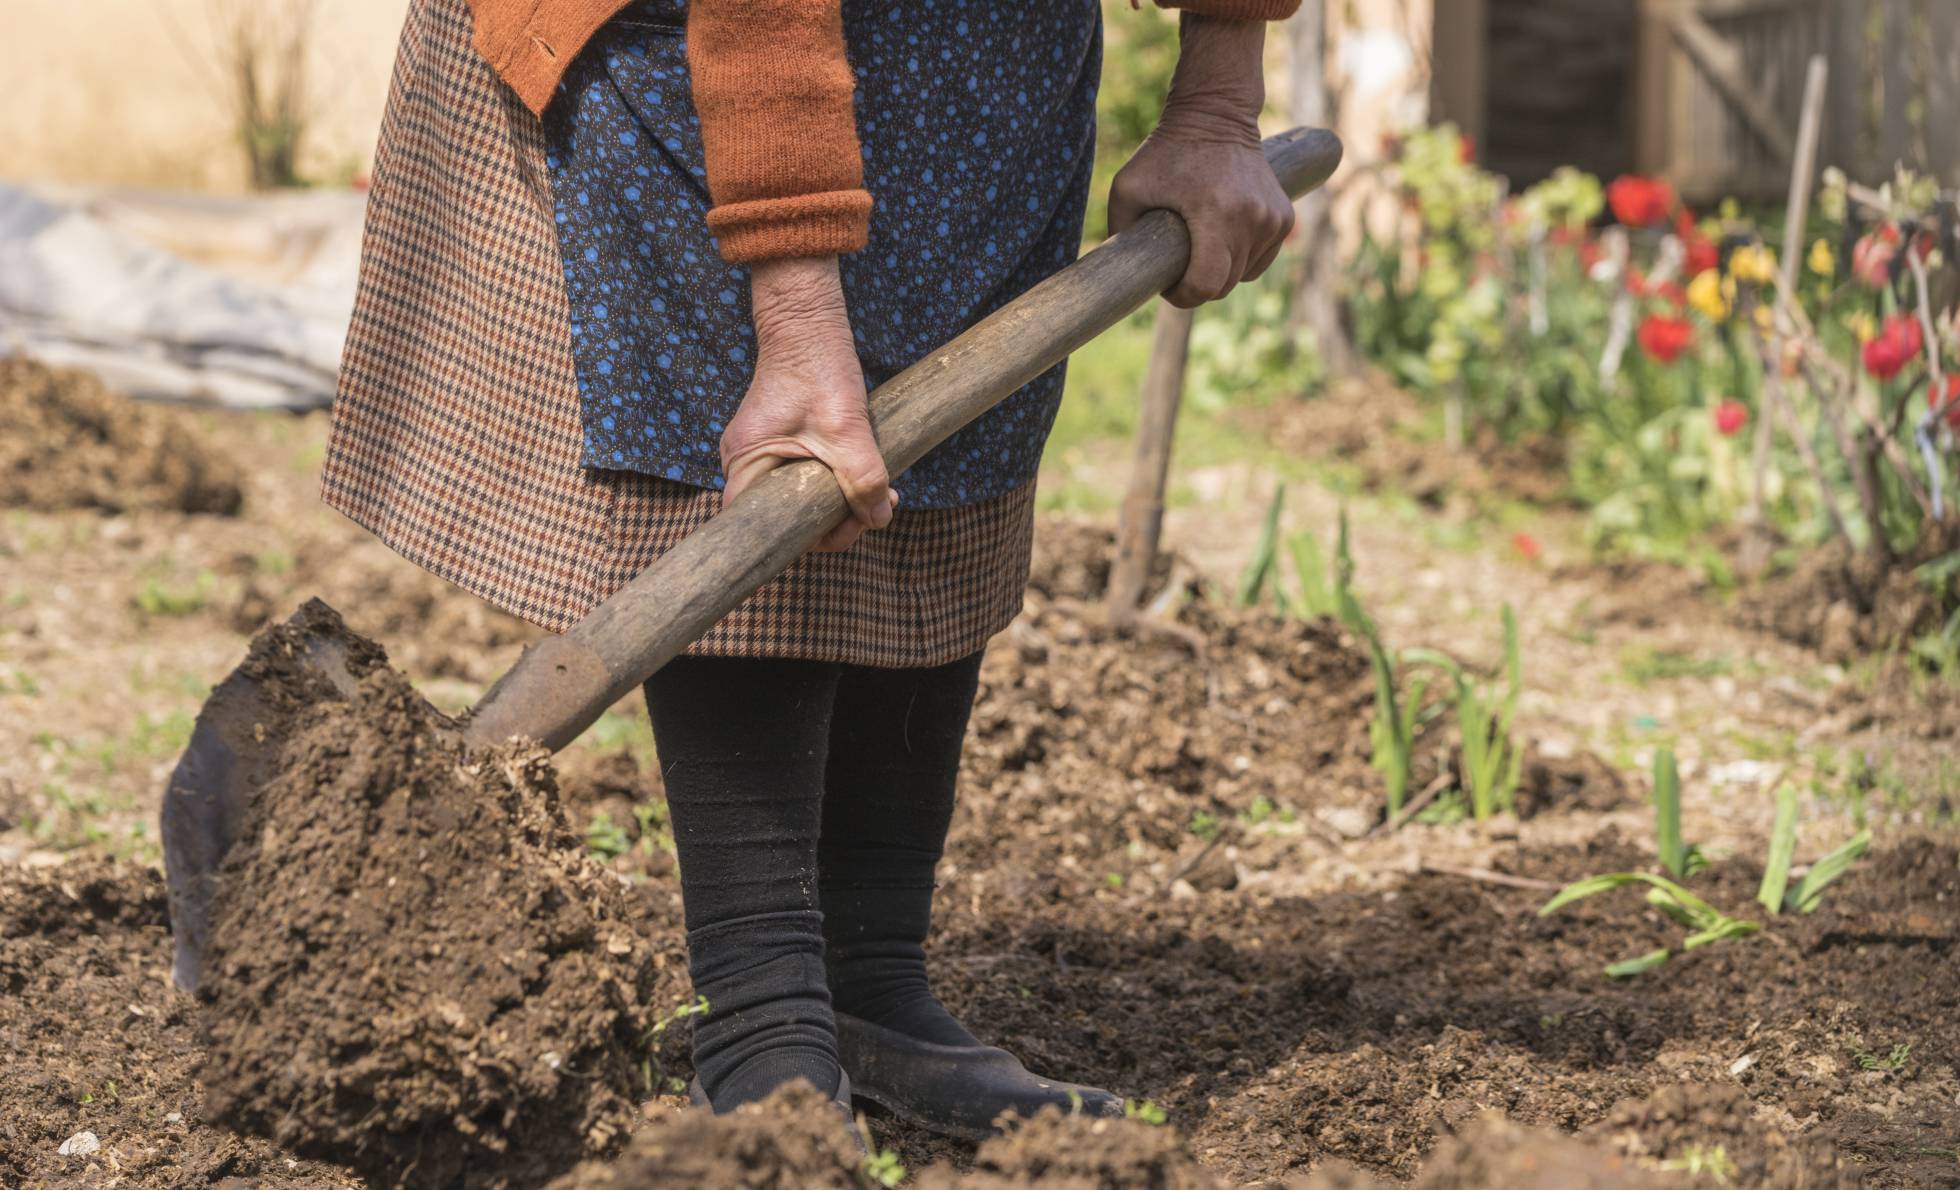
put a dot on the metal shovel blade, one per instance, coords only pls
(234, 750)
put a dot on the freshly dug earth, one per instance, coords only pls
(794, 1140)
(93, 1039)
(1847, 604)
(413, 966)
(66, 441)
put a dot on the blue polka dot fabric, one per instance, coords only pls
(977, 122)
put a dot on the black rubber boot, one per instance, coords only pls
(958, 1090)
(699, 1097)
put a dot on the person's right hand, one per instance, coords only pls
(807, 399)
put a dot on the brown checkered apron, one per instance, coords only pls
(456, 431)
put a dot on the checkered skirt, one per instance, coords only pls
(456, 435)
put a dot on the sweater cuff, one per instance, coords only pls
(1236, 10)
(830, 223)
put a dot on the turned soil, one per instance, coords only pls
(1164, 877)
(413, 967)
(66, 441)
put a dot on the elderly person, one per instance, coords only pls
(623, 259)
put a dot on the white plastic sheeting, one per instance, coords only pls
(241, 302)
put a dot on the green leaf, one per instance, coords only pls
(1254, 580)
(1316, 598)
(1593, 885)
(1667, 814)
(1674, 909)
(1727, 927)
(1628, 968)
(1810, 893)
(1782, 847)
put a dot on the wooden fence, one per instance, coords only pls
(1718, 85)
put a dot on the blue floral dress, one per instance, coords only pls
(977, 122)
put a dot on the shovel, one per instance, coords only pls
(561, 685)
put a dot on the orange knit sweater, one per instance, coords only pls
(773, 89)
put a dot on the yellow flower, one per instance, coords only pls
(1823, 261)
(1706, 294)
(1753, 264)
(1863, 325)
(1764, 319)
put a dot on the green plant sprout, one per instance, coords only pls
(1261, 572)
(1695, 1160)
(1144, 1110)
(652, 1073)
(1889, 1062)
(884, 1169)
(1493, 764)
(1681, 860)
(606, 839)
(1707, 924)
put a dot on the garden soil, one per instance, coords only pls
(1163, 878)
(67, 441)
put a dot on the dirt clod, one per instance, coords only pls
(413, 966)
(794, 1140)
(67, 441)
(1060, 1152)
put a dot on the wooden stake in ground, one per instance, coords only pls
(1803, 173)
(1142, 521)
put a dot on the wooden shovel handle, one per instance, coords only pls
(562, 685)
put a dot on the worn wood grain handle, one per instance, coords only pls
(563, 684)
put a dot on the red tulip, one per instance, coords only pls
(1871, 256)
(1898, 340)
(1665, 338)
(1703, 253)
(1526, 545)
(1673, 294)
(1951, 401)
(1730, 417)
(1466, 150)
(1640, 202)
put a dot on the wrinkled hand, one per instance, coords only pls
(1204, 162)
(807, 399)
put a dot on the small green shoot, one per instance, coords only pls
(1709, 924)
(158, 598)
(884, 1168)
(1696, 1160)
(1144, 1110)
(1253, 582)
(1782, 849)
(606, 839)
(1809, 892)
(1204, 824)
(652, 1074)
(1493, 764)
(1679, 858)
(1889, 1062)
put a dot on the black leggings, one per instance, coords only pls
(810, 803)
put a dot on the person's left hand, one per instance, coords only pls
(1204, 162)
(1237, 212)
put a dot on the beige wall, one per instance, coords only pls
(125, 91)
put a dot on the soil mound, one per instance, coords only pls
(793, 1140)
(66, 441)
(1098, 748)
(1064, 1152)
(433, 627)
(1718, 1131)
(413, 966)
(98, 1044)
(1847, 604)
